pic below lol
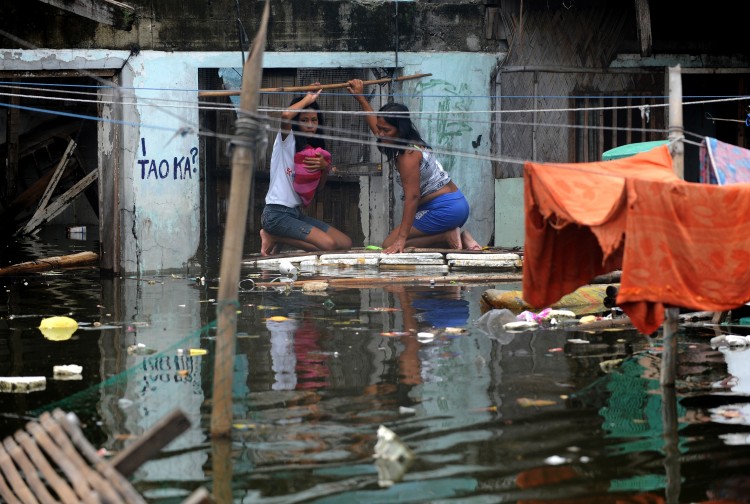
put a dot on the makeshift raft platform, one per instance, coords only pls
(415, 259)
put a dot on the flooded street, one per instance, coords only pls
(490, 415)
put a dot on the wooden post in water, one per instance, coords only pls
(672, 315)
(243, 158)
(670, 326)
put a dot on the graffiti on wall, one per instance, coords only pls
(176, 168)
(449, 124)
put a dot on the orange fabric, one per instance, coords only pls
(677, 243)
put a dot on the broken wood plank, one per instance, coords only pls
(157, 437)
(61, 167)
(57, 206)
(49, 263)
(31, 194)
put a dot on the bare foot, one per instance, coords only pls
(453, 237)
(469, 242)
(267, 244)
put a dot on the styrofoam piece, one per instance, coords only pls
(362, 259)
(484, 257)
(415, 258)
(273, 262)
(22, 384)
(67, 372)
(437, 269)
(477, 263)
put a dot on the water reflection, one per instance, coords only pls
(491, 416)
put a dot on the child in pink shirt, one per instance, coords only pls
(306, 180)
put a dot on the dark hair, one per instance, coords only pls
(313, 141)
(397, 115)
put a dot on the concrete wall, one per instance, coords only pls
(294, 25)
(509, 212)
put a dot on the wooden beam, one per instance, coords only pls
(57, 206)
(50, 263)
(110, 12)
(61, 167)
(338, 85)
(151, 442)
(643, 25)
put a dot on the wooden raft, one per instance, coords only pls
(50, 461)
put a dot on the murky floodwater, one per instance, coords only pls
(490, 416)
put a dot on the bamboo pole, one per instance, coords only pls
(243, 157)
(672, 314)
(339, 85)
(49, 263)
(669, 357)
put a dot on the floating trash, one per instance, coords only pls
(346, 311)
(425, 337)
(526, 403)
(67, 372)
(314, 286)
(287, 268)
(58, 328)
(22, 384)
(393, 457)
(455, 330)
(140, 349)
(555, 460)
(520, 325)
(729, 340)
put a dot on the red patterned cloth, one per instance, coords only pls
(677, 243)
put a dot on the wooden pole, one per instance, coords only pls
(669, 357)
(339, 85)
(676, 131)
(49, 263)
(672, 315)
(243, 157)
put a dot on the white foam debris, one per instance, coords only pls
(22, 384)
(67, 372)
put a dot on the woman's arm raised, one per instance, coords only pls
(357, 89)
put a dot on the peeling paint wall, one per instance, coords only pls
(161, 194)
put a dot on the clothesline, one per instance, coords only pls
(192, 104)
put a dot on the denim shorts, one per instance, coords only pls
(289, 222)
(447, 211)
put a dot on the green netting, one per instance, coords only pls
(632, 149)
